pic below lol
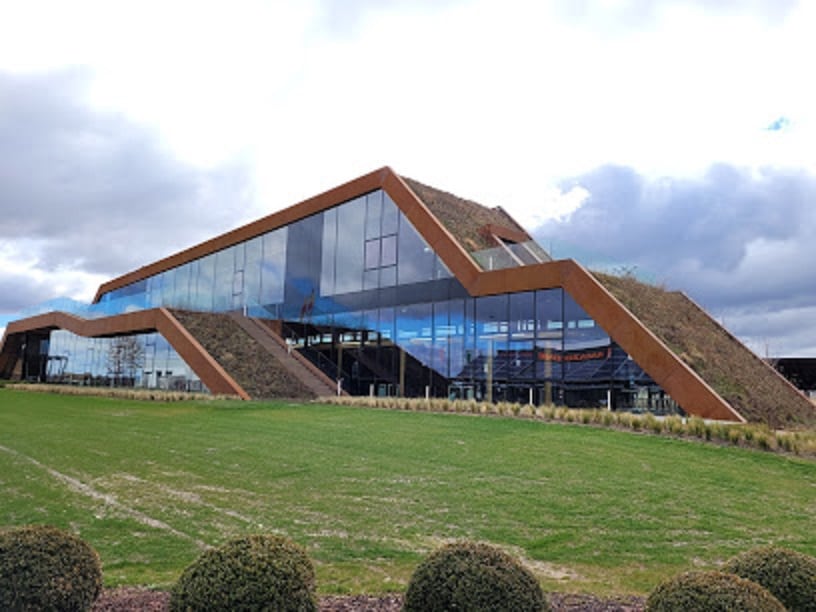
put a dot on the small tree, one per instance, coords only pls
(125, 357)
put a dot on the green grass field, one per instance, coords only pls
(369, 492)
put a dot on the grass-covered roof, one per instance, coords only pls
(739, 376)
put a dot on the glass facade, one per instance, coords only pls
(361, 294)
(140, 360)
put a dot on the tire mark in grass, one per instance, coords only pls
(82, 488)
(186, 496)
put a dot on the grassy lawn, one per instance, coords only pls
(369, 492)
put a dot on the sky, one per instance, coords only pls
(665, 137)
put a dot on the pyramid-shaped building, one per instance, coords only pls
(385, 286)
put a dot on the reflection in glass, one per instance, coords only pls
(350, 246)
(137, 361)
(415, 258)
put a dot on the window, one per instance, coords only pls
(372, 254)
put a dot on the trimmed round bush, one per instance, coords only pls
(473, 576)
(789, 575)
(711, 592)
(256, 572)
(45, 568)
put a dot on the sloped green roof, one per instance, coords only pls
(464, 219)
(754, 388)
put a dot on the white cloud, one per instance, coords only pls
(87, 195)
(738, 241)
(661, 86)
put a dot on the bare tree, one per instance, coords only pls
(125, 358)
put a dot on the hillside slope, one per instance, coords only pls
(744, 380)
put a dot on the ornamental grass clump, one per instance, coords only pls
(257, 572)
(45, 568)
(711, 592)
(789, 575)
(473, 576)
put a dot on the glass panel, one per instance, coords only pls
(132, 289)
(351, 226)
(414, 325)
(224, 272)
(386, 325)
(168, 288)
(388, 276)
(329, 254)
(581, 331)
(272, 267)
(442, 270)
(456, 337)
(154, 291)
(467, 331)
(301, 282)
(388, 251)
(415, 257)
(239, 256)
(373, 214)
(238, 298)
(372, 254)
(491, 344)
(183, 286)
(347, 322)
(523, 254)
(252, 271)
(206, 282)
(390, 216)
(371, 279)
(549, 340)
(441, 338)
(496, 258)
(522, 316)
(521, 357)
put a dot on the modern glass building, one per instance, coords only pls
(382, 286)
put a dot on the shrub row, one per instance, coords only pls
(745, 435)
(44, 568)
(272, 573)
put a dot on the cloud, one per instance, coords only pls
(93, 192)
(19, 291)
(738, 241)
